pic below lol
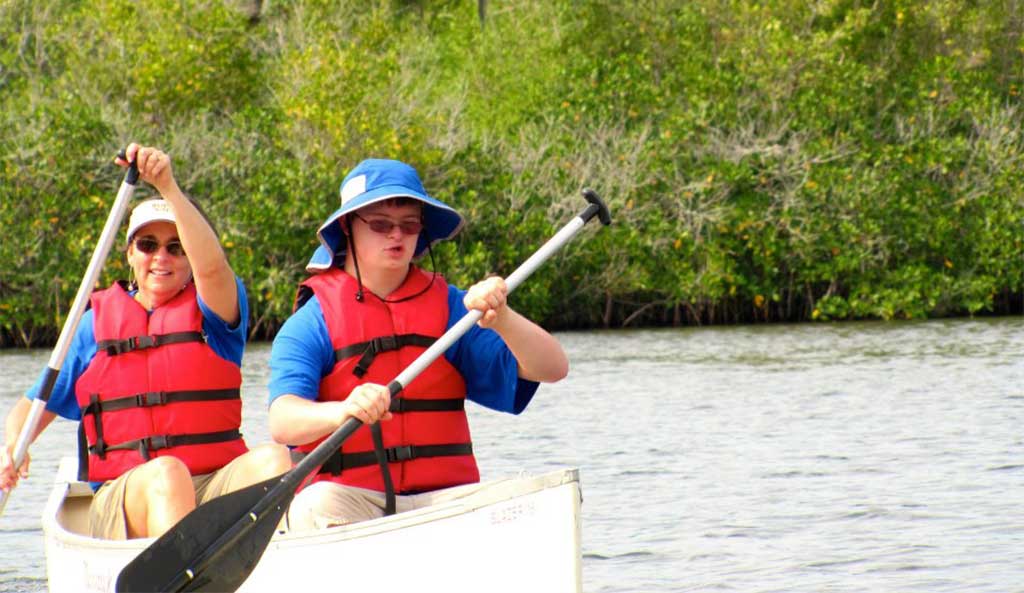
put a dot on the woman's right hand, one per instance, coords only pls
(369, 403)
(8, 476)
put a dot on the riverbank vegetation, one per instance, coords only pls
(763, 161)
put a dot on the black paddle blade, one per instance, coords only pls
(219, 543)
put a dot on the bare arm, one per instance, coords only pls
(15, 421)
(296, 420)
(539, 355)
(214, 278)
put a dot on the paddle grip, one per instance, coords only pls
(597, 207)
(49, 380)
(132, 176)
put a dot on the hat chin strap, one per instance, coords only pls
(355, 260)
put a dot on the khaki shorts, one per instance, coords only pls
(106, 512)
(329, 504)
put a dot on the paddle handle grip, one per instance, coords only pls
(131, 177)
(597, 208)
(67, 332)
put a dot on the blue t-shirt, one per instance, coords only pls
(302, 355)
(226, 341)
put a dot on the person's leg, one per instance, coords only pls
(157, 495)
(106, 510)
(326, 504)
(258, 464)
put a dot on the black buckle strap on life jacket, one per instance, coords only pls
(382, 460)
(401, 404)
(371, 348)
(337, 463)
(115, 347)
(83, 454)
(97, 420)
(147, 445)
(158, 398)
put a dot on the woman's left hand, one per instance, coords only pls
(154, 165)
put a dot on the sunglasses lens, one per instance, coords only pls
(379, 225)
(147, 245)
(411, 228)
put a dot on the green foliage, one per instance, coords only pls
(779, 160)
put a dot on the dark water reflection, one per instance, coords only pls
(852, 457)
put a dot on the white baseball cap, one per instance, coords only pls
(147, 212)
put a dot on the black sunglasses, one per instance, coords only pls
(384, 225)
(150, 245)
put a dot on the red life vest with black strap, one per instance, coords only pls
(155, 388)
(427, 442)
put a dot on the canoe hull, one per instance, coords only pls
(520, 535)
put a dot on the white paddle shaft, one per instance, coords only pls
(67, 333)
(463, 325)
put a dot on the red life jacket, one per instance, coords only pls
(155, 388)
(427, 442)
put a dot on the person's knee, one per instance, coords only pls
(320, 495)
(325, 504)
(166, 472)
(311, 508)
(269, 460)
(278, 458)
(165, 477)
(157, 494)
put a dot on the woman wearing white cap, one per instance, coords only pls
(153, 374)
(364, 315)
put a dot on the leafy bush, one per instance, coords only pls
(763, 161)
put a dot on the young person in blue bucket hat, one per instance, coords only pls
(362, 316)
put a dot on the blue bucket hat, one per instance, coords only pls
(376, 180)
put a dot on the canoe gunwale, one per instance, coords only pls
(66, 488)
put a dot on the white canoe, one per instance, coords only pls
(520, 534)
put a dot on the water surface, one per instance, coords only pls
(849, 457)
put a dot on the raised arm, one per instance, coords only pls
(214, 278)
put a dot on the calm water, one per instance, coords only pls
(853, 457)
